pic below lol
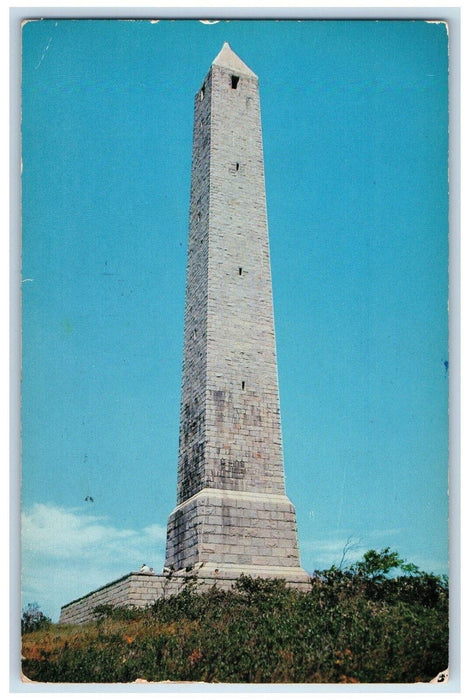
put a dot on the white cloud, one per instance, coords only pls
(67, 553)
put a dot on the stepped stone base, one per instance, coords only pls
(237, 530)
(141, 589)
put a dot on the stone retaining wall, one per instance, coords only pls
(133, 590)
(141, 590)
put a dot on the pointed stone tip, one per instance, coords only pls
(227, 58)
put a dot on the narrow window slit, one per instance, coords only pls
(235, 79)
(237, 166)
(240, 270)
(243, 386)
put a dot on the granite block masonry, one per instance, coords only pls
(232, 514)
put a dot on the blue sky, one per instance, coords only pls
(355, 140)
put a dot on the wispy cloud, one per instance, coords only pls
(67, 553)
(383, 534)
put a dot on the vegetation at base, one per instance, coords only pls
(378, 621)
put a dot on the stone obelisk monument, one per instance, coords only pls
(232, 514)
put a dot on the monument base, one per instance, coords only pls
(240, 530)
(140, 590)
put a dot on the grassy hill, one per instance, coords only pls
(358, 625)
